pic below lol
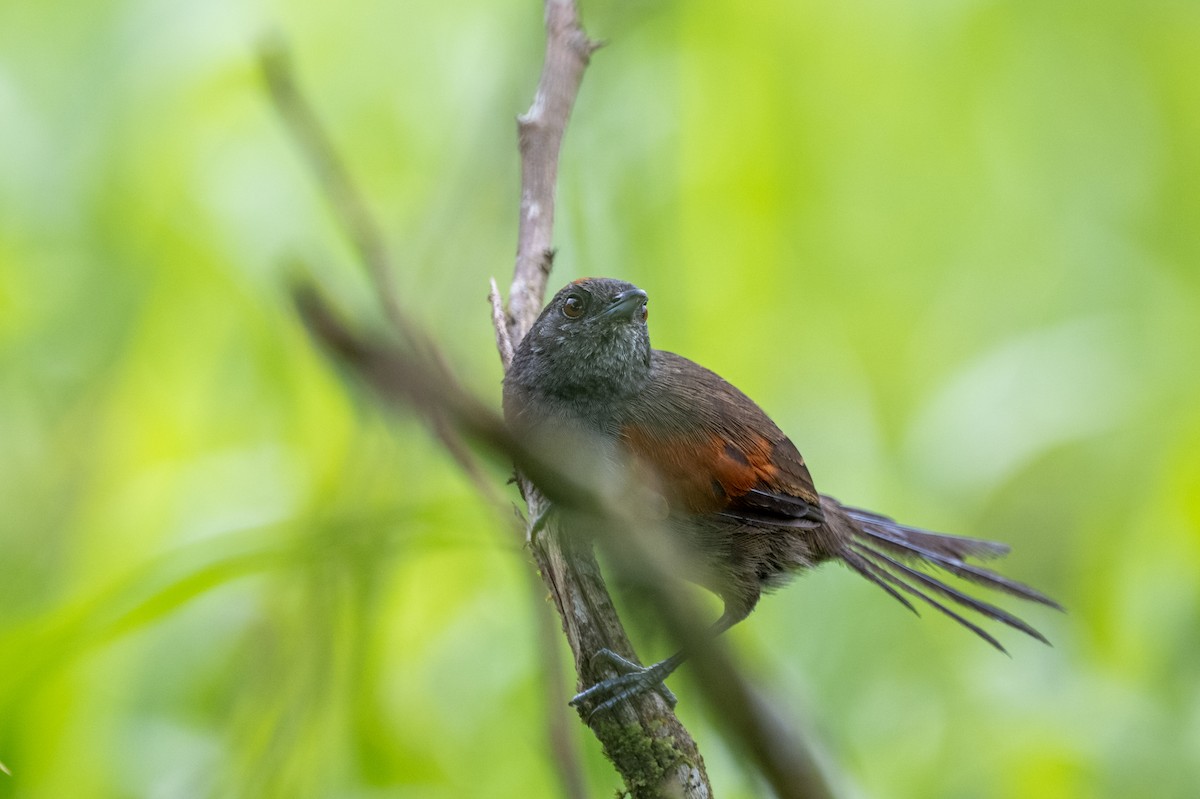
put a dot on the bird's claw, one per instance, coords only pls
(631, 680)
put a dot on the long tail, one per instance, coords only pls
(885, 553)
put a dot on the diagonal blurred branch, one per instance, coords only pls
(350, 211)
(337, 185)
(360, 228)
(645, 740)
(561, 729)
(578, 590)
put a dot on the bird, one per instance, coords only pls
(738, 493)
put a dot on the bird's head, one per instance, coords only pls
(590, 342)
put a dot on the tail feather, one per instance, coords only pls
(869, 570)
(886, 553)
(956, 546)
(937, 586)
(895, 538)
(883, 574)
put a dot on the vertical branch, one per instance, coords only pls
(539, 136)
(654, 753)
(540, 133)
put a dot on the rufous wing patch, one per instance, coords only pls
(702, 475)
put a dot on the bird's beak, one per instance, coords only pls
(626, 304)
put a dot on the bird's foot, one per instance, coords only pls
(632, 679)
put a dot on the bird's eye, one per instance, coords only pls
(573, 307)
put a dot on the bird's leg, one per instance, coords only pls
(634, 679)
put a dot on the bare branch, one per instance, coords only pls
(503, 342)
(539, 136)
(662, 758)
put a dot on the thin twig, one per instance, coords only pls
(503, 342)
(560, 726)
(353, 215)
(338, 187)
(539, 136)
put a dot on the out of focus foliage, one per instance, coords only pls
(953, 248)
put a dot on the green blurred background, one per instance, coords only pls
(951, 247)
